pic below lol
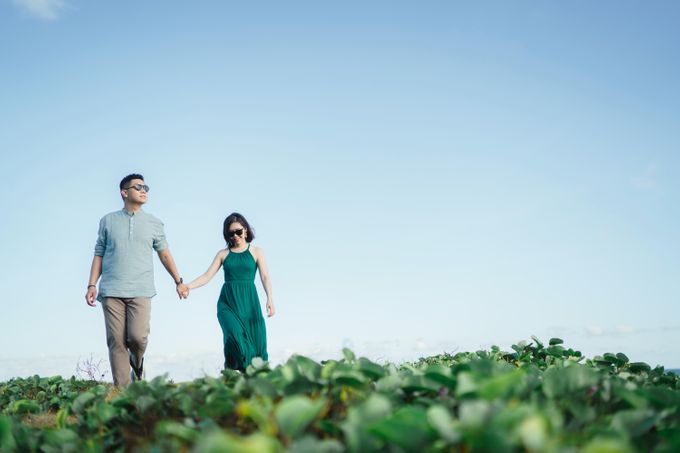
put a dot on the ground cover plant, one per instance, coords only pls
(537, 397)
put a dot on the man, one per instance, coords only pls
(123, 258)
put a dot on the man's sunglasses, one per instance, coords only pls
(139, 187)
(238, 232)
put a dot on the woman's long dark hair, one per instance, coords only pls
(236, 217)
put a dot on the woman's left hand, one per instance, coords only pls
(270, 309)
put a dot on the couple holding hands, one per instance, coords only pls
(123, 259)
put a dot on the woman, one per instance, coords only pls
(238, 307)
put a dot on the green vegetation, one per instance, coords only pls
(536, 398)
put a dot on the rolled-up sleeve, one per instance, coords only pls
(159, 241)
(100, 245)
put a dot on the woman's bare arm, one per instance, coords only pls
(266, 282)
(210, 273)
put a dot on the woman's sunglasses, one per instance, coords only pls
(238, 232)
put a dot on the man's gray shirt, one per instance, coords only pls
(126, 243)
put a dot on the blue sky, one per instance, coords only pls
(423, 176)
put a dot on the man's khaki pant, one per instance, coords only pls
(127, 334)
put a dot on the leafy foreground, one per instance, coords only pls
(535, 398)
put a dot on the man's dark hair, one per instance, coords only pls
(125, 181)
(236, 217)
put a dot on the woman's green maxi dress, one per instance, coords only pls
(239, 312)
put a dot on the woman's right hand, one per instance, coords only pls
(271, 311)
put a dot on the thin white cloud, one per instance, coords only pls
(595, 330)
(42, 9)
(625, 330)
(647, 180)
(599, 331)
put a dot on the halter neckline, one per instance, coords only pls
(242, 251)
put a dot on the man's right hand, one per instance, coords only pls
(183, 291)
(91, 296)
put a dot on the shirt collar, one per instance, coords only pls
(131, 214)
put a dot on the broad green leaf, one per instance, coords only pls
(419, 384)
(21, 407)
(310, 444)
(634, 422)
(611, 358)
(555, 350)
(105, 412)
(220, 442)
(581, 410)
(561, 381)
(371, 369)
(555, 341)
(661, 397)
(638, 367)
(520, 347)
(329, 427)
(501, 385)
(345, 375)
(64, 438)
(442, 421)
(327, 369)
(407, 428)
(534, 433)
(670, 438)
(218, 404)
(7, 442)
(184, 404)
(295, 413)
(306, 367)
(257, 365)
(81, 402)
(440, 374)
(607, 445)
(474, 413)
(622, 357)
(376, 407)
(601, 363)
(258, 410)
(145, 403)
(175, 429)
(262, 386)
(61, 418)
(349, 355)
(389, 384)
(290, 372)
(632, 397)
(465, 384)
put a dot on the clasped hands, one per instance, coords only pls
(183, 291)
